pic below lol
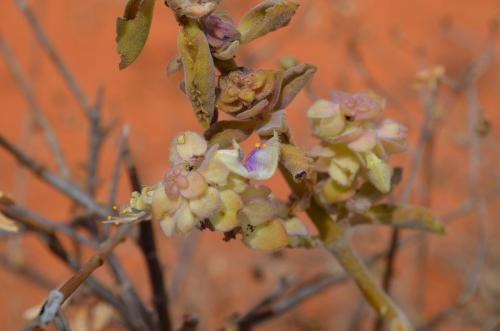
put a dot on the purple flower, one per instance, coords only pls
(219, 30)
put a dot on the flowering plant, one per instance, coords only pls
(211, 184)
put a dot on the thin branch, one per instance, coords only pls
(20, 268)
(96, 134)
(51, 52)
(258, 313)
(72, 284)
(132, 300)
(38, 116)
(115, 177)
(59, 183)
(426, 134)
(474, 174)
(36, 222)
(147, 244)
(47, 232)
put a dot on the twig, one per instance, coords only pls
(257, 313)
(36, 222)
(47, 232)
(72, 284)
(133, 301)
(357, 317)
(34, 108)
(25, 271)
(318, 284)
(60, 184)
(416, 159)
(184, 258)
(474, 174)
(96, 135)
(147, 244)
(49, 49)
(115, 177)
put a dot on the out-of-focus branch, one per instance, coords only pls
(38, 116)
(120, 154)
(54, 57)
(35, 222)
(281, 304)
(96, 134)
(72, 284)
(424, 139)
(147, 244)
(476, 71)
(20, 268)
(60, 184)
(68, 188)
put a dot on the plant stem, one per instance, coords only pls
(334, 235)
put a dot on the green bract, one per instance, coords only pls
(266, 17)
(199, 71)
(133, 29)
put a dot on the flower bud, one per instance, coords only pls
(246, 93)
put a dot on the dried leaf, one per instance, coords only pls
(412, 217)
(266, 17)
(8, 225)
(199, 71)
(133, 29)
(296, 162)
(294, 80)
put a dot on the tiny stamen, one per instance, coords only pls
(181, 140)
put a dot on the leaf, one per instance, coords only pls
(199, 71)
(224, 132)
(411, 217)
(8, 225)
(294, 80)
(296, 162)
(266, 17)
(133, 29)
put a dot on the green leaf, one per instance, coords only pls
(294, 80)
(411, 217)
(199, 71)
(133, 29)
(266, 17)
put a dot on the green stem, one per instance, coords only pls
(335, 238)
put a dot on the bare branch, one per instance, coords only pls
(72, 284)
(61, 184)
(54, 57)
(34, 108)
(147, 244)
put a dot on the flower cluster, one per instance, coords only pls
(208, 187)
(355, 145)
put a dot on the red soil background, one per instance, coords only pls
(393, 39)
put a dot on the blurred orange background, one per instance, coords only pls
(357, 45)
